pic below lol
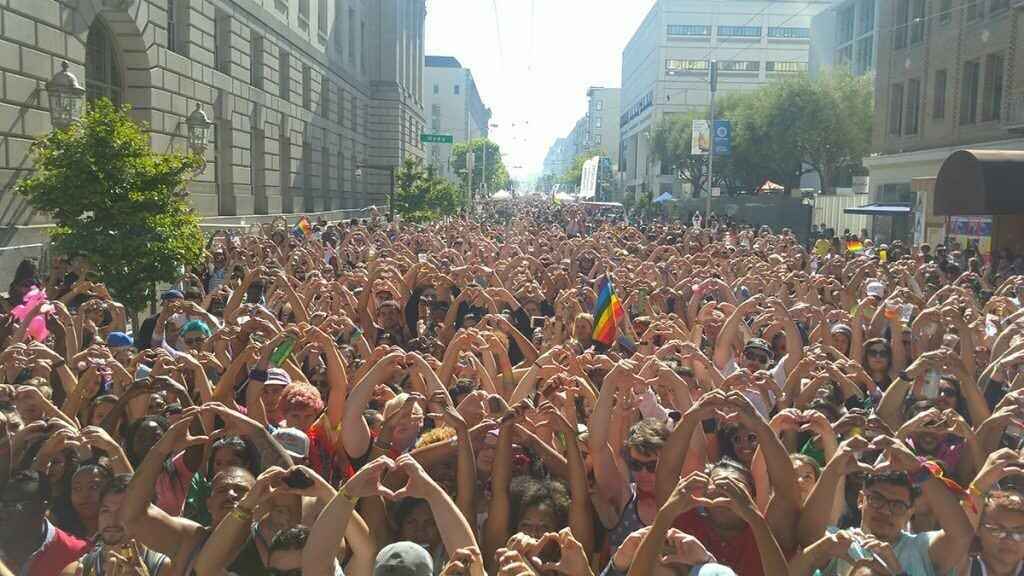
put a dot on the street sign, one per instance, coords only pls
(701, 138)
(723, 138)
(436, 138)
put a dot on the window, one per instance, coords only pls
(865, 55)
(689, 30)
(677, 67)
(896, 110)
(256, 60)
(844, 56)
(435, 124)
(739, 66)
(341, 107)
(325, 174)
(783, 32)
(355, 113)
(102, 69)
(325, 97)
(991, 108)
(969, 92)
(917, 22)
(911, 118)
(285, 72)
(362, 47)
(351, 36)
(321, 18)
(997, 6)
(866, 17)
(307, 88)
(458, 89)
(846, 22)
(222, 41)
(177, 11)
(437, 89)
(435, 110)
(304, 14)
(945, 11)
(787, 67)
(739, 31)
(597, 139)
(597, 122)
(975, 9)
(599, 105)
(282, 7)
(939, 95)
(899, 36)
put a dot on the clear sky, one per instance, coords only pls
(534, 62)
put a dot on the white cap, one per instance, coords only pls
(875, 288)
(294, 441)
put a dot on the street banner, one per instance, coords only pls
(701, 143)
(723, 138)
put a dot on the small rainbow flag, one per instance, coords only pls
(607, 313)
(303, 228)
(854, 246)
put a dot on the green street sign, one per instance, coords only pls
(436, 139)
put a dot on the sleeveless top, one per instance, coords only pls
(629, 522)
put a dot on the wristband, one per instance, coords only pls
(922, 475)
(258, 375)
(903, 375)
(344, 494)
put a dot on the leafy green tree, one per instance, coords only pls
(823, 122)
(671, 143)
(421, 195)
(116, 202)
(574, 173)
(495, 170)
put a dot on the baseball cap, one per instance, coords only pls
(294, 441)
(119, 340)
(277, 377)
(403, 559)
(172, 294)
(875, 288)
(759, 344)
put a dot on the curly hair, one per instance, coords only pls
(300, 395)
(647, 436)
(435, 435)
(529, 492)
(1004, 499)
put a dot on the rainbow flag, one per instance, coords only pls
(607, 313)
(303, 228)
(854, 246)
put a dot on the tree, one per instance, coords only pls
(574, 173)
(421, 195)
(823, 122)
(116, 202)
(496, 173)
(671, 142)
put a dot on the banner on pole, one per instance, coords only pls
(700, 145)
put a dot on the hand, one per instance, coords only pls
(512, 563)
(464, 562)
(178, 437)
(420, 485)
(266, 485)
(732, 494)
(97, 437)
(235, 423)
(896, 456)
(367, 482)
(999, 464)
(320, 488)
(573, 559)
(686, 551)
(845, 458)
(884, 555)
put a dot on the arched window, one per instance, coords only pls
(102, 69)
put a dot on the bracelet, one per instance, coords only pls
(344, 494)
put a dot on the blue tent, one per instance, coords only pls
(666, 197)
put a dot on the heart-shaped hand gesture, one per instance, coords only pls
(420, 484)
(684, 550)
(367, 482)
(896, 456)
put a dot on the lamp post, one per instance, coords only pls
(66, 96)
(391, 191)
(198, 134)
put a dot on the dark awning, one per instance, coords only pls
(879, 209)
(980, 183)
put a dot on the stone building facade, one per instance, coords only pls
(300, 92)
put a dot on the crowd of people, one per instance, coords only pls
(377, 398)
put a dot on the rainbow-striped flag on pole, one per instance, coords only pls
(303, 229)
(607, 313)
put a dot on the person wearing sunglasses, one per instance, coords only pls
(193, 336)
(27, 538)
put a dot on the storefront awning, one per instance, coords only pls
(879, 209)
(981, 183)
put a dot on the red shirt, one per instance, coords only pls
(739, 553)
(57, 551)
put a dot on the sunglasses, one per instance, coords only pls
(292, 572)
(637, 466)
(947, 392)
(1004, 533)
(878, 352)
(755, 357)
(195, 341)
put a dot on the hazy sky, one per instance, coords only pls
(534, 62)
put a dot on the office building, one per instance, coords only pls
(603, 122)
(453, 106)
(300, 92)
(846, 35)
(946, 80)
(665, 67)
